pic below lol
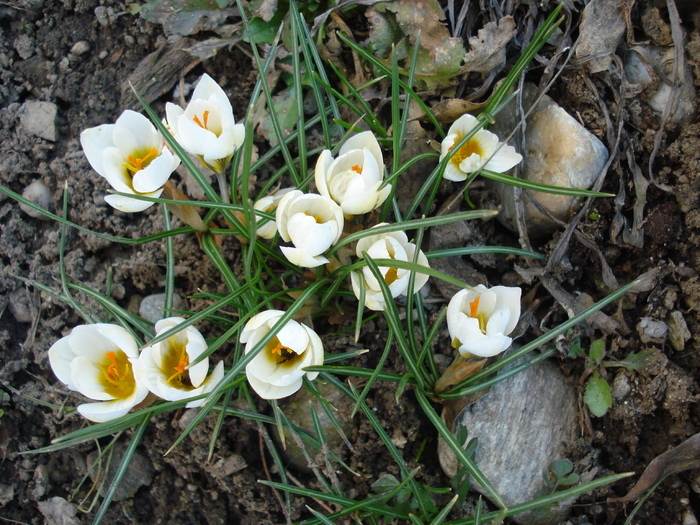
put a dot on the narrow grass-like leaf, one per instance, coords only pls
(425, 222)
(537, 186)
(375, 375)
(387, 71)
(121, 470)
(391, 314)
(474, 250)
(105, 236)
(240, 365)
(169, 263)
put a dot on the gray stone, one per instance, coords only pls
(139, 473)
(37, 193)
(7, 494)
(80, 48)
(151, 307)
(58, 511)
(650, 329)
(559, 152)
(621, 387)
(24, 45)
(39, 118)
(20, 305)
(522, 426)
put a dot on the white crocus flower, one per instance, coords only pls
(166, 365)
(278, 370)
(393, 245)
(480, 320)
(353, 178)
(206, 127)
(131, 155)
(482, 151)
(312, 223)
(99, 361)
(268, 204)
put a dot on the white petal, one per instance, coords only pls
(487, 347)
(156, 174)
(128, 205)
(322, 165)
(61, 356)
(504, 159)
(94, 141)
(364, 140)
(301, 258)
(294, 336)
(133, 132)
(268, 317)
(268, 391)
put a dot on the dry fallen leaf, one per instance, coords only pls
(488, 48)
(685, 456)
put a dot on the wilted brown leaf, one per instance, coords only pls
(488, 48)
(685, 456)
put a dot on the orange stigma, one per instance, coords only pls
(203, 122)
(180, 368)
(138, 163)
(357, 169)
(474, 306)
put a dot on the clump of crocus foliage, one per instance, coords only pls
(103, 362)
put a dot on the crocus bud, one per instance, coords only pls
(353, 178)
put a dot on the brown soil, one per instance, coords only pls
(36, 63)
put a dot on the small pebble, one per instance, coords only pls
(39, 118)
(37, 193)
(80, 48)
(130, 40)
(151, 307)
(20, 305)
(649, 329)
(621, 387)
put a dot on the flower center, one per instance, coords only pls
(282, 353)
(117, 375)
(391, 276)
(356, 168)
(472, 147)
(177, 360)
(202, 123)
(139, 161)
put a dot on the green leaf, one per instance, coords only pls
(598, 395)
(597, 351)
(262, 32)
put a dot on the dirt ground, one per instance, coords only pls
(78, 54)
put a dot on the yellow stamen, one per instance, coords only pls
(284, 353)
(181, 367)
(357, 168)
(472, 147)
(112, 373)
(134, 164)
(205, 117)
